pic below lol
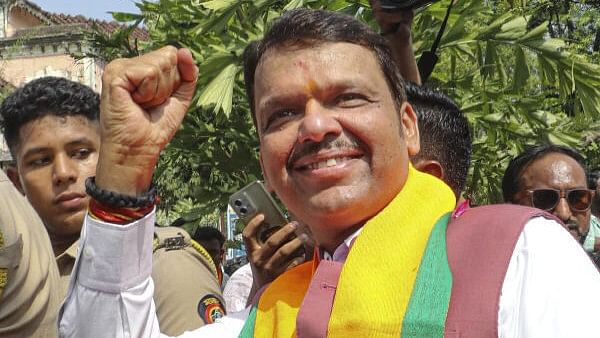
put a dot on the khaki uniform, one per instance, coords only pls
(187, 292)
(29, 302)
(65, 262)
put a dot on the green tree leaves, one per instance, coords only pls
(521, 76)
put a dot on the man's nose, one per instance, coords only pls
(317, 123)
(562, 210)
(64, 170)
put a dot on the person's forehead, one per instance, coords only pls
(554, 170)
(52, 130)
(334, 55)
(293, 71)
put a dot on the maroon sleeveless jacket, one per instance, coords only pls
(480, 244)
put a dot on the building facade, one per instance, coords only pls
(36, 43)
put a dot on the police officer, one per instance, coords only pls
(28, 275)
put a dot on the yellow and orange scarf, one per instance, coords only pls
(395, 282)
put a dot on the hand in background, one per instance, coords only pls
(397, 23)
(396, 27)
(282, 251)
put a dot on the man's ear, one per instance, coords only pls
(430, 167)
(410, 128)
(13, 176)
(265, 177)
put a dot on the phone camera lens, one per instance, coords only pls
(243, 210)
(237, 203)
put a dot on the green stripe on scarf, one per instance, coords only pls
(248, 329)
(428, 307)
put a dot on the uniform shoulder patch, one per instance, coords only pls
(210, 309)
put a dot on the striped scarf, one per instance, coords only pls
(395, 282)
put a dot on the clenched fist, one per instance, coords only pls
(143, 102)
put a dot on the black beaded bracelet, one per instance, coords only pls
(114, 199)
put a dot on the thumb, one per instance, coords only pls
(188, 73)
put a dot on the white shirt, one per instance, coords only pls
(550, 289)
(238, 289)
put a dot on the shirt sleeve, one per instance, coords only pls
(594, 232)
(187, 293)
(550, 286)
(110, 293)
(238, 289)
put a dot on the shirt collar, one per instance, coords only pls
(341, 252)
(71, 252)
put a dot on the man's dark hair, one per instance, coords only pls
(511, 182)
(444, 134)
(45, 96)
(593, 176)
(302, 28)
(207, 233)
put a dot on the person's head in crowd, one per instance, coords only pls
(445, 136)
(52, 130)
(552, 178)
(213, 241)
(594, 184)
(335, 130)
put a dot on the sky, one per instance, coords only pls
(96, 9)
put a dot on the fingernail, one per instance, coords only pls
(294, 225)
(304, 238)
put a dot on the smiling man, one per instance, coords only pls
(336, 134)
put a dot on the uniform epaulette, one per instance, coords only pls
(174, 238)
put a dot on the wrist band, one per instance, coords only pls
(117, 215)
(114, 199)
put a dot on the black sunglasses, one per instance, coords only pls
(547, 199)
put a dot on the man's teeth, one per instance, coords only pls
(328, 163)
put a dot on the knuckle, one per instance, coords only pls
(246, 234)
(273, 242)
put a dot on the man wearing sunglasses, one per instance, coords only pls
(552, 178)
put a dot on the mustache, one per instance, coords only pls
(310, 148)
(574, 225)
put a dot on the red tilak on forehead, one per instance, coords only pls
(311, 86)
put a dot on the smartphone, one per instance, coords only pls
(254, 199)
(395, 5)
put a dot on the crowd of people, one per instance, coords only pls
(371, 164)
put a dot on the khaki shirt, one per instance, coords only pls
(65, 262)
(29, 302)
(187, 293)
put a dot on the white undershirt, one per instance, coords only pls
(551, 287)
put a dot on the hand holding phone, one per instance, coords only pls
(253, 200)
(281, 251)
(273, 244)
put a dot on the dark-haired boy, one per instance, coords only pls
(52, 130)
(445, 137)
